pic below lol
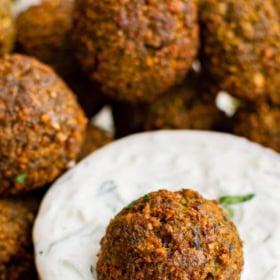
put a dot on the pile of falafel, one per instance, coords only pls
(157, 64)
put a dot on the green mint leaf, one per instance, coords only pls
(235, 199)
(229, 210)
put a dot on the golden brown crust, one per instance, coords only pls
(135, 49)
(259, 122)
(95, 138)
(241, 46)
(171, 235)
(16, 254)
(43, 32)
(41, 125)
(182, 107)
(19, 269)
(6, 27)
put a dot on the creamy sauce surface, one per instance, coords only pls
(78, 207)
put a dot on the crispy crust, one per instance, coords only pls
(43, 32)
(182, 107)
(135, 50)
(95, 138)
(259, 122)
(241, 46)
(6, 27)
(41, 124)
(171, 235)
(16, 254)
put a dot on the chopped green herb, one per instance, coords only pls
(229, 211)
(91, 269)
(268, 237)
(228, 200)
(40, 252)
(21, 178)
(130, 205)
(146, 197)
(235, 199)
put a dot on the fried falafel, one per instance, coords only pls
(241, 47)
(136, 50)
(183, 107)
(41, 124)
(259, 122)
(16, 255)
(6, 27)
(171, 235)
(95, 138)
(43, 32)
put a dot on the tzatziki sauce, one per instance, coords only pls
(76, 210)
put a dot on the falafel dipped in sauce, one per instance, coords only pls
(6, 26)
(171, 235)
(76, 210)
(135, 49)
(41, 124)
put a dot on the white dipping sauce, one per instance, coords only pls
(78, 207)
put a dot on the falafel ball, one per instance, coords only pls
(182, 107)
(241, 47)
(95, 138)
(16, 255)
(136, 50)
(259, 122)
(43, 32)
(171, 235)
(41, 124)
(6, 27)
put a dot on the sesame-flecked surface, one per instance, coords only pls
(41, 124)
(171, 235)
(135, 49)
